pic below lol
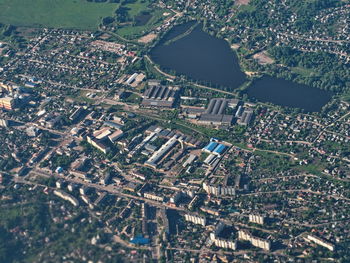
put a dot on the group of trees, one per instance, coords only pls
(329, 73)
(307, 10)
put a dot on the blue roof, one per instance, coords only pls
(220, 148)
(139, 240)
(211, 146)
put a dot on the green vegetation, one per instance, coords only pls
(307, 10)
(76, 14)
(332, 74)
(132, 31)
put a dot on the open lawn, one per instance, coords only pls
(75, 14)
(134, 9)
(303, 71)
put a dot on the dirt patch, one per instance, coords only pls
(263, 58)
(105, 36)
(242, 2)
(147, 38)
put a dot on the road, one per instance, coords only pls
(159, 70)
(109, 188)
(296, 191)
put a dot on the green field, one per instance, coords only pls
(132, 32)
(75, 14)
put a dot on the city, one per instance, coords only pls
(109, 157)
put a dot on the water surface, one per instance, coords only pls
(199, 56)
(290, 94)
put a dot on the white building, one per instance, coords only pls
(255, 241)
(199, 220)
(321, 242)
(257, 219)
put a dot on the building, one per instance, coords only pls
(103, 148)
(66, 197)
(211, 211)
(245, 117)
(177, 197)
(7, 103)
(30, 84)
(154, 197)
(102, 133)
(84, 190)
(218, 189)
(7, 87)
(71, 187)
(193, 202)
(215, 148)
(131, 79)
(106, 178)
(4, 123)
(157, 156)
(221, 242)
(224, 243)
(255, 241)
(199, 220)
(215, 113)
(257, 219)
(190, 160)
(115, 135)
(160, 96)
(76, 114)
(321, 242)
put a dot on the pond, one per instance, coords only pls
(199, 56)
(287, 93)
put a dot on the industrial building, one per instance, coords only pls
(160, 96)
(157, 156)
(76, 114)
(215, 113)
(115, 135)
(245, 117)
(215, 148)
(103, 148)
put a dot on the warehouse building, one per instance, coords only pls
(215, 114)
(160, 96)
(154, 160)
(215, 148)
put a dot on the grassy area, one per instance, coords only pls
(346, 96)
(302, 71)
(131, 31)
(75, 14)
(311, 168)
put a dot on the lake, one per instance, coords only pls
(209, 60)
(199, 56)
(287, 93)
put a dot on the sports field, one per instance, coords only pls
(75, 14)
